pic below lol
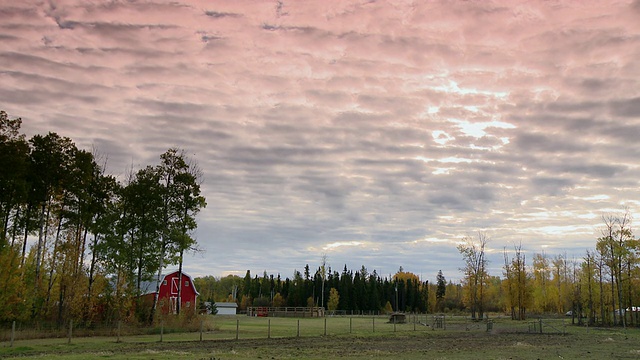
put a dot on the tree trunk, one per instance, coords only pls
(179, 302)
(590, 290)
(619, 288)
(39, 248)
(5, 226)
(601, 281)
(629, 301)
(159, 278)
(613, 297)
(92, 266)
(14, 231)
(26, 233)
(54, 255)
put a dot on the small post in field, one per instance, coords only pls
(325, 326)
(201, 328)
(237, 328)
(13, 332)
(350, 325)
(70, 330)
(269, 329)
(298, 328)
(161, 330)
(373, 322)
(118, 332)
(394, 324)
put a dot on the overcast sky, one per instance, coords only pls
(377, 132)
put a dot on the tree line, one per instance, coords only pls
(349, 291)
(602, 287)
(352, 290)
(76, 243)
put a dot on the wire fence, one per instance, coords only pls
(220, 327)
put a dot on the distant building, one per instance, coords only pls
(226, 308)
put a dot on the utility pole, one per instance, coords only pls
(397, 305)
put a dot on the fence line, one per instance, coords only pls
(222, 327)
(541, 326)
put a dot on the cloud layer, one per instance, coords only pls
(377, 132)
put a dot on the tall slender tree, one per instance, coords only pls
(441, 290)
(473, 254)
(14, 155)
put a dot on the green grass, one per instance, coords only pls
(276, 338)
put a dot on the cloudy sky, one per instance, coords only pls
(377, 132)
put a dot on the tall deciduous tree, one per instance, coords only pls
(561, 283)
(616, 247)
(517, 283)
(181, 201)
(541, 284)
(50, 168)
(14, 155)
(144, 204)
(475, 263)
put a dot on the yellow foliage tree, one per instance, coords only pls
(334, 299)
(244, 303)
(388, 309)
(475, 273)
(406, 276)
(13, 304)
(278, 300)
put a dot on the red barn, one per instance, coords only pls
(168, 299)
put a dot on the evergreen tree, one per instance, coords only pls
(441, 290)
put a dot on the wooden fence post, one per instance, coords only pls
(161, 330)
(13, 332)
(70, 330)
(237, 328)
(201, 328)
(350, 319)
(269, 329)
(394, 323)
(118, 332)
(325, 326)
(298, 328)
(373, 323)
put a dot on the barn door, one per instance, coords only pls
(174, 304)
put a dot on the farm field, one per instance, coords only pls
(355, 338)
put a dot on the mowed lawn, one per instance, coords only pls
(244, 337)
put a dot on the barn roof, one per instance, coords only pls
(226, 305)
(149, 287)
(191, 284)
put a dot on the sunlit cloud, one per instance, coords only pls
(478, 130)
(441, 137)
(339, 244)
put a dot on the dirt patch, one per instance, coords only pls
(410, 346)
(343, 346)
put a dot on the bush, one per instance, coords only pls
(186, 321)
